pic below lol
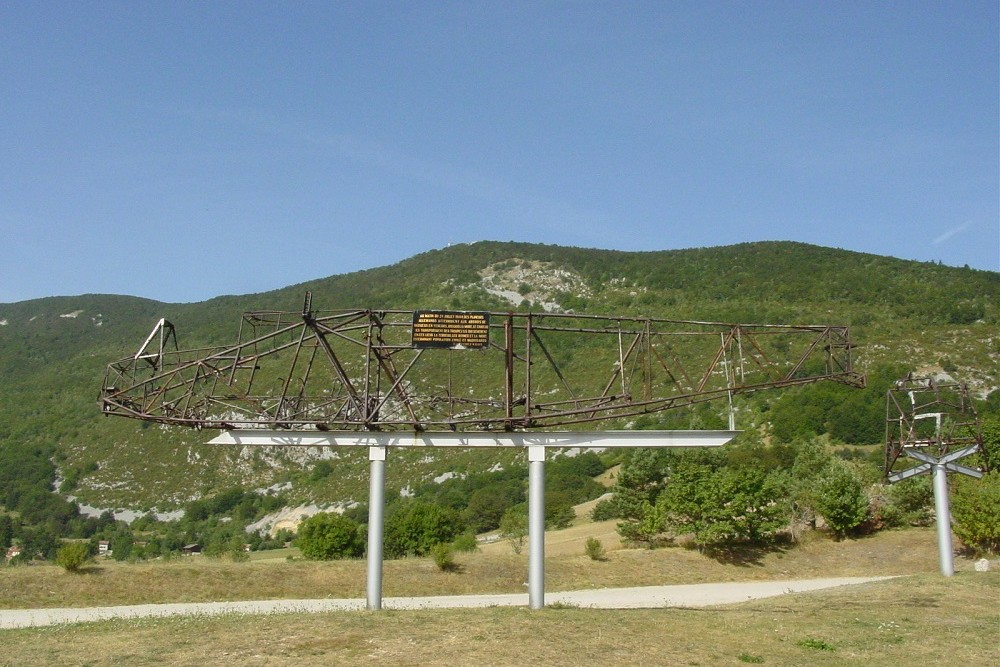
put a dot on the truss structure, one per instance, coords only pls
(368, 370)
(929, 422)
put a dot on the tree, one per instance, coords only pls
(639, 481)
(121, 546)
(73, 556)
(514, 527)
(329, 536)
(841, 499)
(723, 506)
(486, 507)
(975, 512)
(412, 527)
(6, 531)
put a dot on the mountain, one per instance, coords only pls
(54, 351)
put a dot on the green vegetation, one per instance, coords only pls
(594, 549)
(905, 316)
(329, 536)
(73, 556)
(975, 513)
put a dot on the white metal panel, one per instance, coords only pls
(450, 439)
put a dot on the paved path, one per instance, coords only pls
(689, 595)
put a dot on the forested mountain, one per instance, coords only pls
(904, 316)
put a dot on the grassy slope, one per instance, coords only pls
(51, 366)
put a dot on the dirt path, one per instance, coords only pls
(691, 595)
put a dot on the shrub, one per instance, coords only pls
(329, 536)
(413, 527)
(975, 512)
(594, 549)
(514, 527)
(466, 543)
(444, 557)
(604, 510)
(841, 499)
(73, 556)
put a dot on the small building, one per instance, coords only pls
(13, 552)
(103, 548)
(191, 549)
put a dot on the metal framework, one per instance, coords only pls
(934, 424)
(928, 419)
(394, 378)
(361, 370)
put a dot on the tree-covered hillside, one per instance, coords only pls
(905, 316)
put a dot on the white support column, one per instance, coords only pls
(536, 527)
(376, 523)
(943, 512)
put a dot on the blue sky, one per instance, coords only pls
(180, 151)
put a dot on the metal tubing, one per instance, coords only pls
(376, 516)
(943, 513)
(536, 527)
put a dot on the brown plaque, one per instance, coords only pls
(457, 330)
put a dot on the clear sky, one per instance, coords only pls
(183, 150)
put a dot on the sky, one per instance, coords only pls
(184, 150)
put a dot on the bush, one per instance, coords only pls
(413, 527)
(329, 536)
(594, 549)
(975, 513)
(604, 510)
(514, 527)
(841, 499)
(73, 556)
(444, 557)
(466, 543)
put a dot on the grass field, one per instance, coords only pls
(496, 569)
(922, 619)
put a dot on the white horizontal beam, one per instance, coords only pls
(451, 439)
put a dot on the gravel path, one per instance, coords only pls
(689, 595)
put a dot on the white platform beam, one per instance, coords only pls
(276, 438)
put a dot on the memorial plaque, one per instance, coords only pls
(455, 330)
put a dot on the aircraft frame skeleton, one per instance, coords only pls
(376, 378)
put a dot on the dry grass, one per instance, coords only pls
(926, 620)
(496, 570)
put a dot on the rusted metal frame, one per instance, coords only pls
(645, 350)
(715, 362)
(283, 396)
(842, 343)
(620, 370)
(555, 366)
(528, 333)
(892, 448)
(153, 395)
(320, 337)
(767, 366)
(508, 337)
(809, 350)
(192, 383)
(304, 378)
(621, 359)
(666, 368)
(633, 408)
(389, 368)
